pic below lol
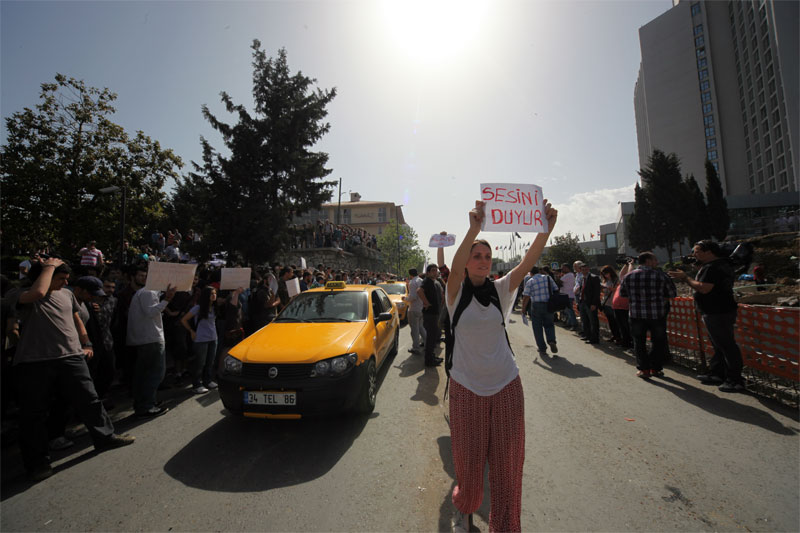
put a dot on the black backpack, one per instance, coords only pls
(467, 290)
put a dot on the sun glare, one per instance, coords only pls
(433, 31)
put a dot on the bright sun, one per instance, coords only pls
(433, 31)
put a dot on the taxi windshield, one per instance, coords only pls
(393, 288)
(328, 306)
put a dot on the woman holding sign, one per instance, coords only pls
(487, 418)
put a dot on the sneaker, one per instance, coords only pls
(211, 385)
(40, 472)
(460, 523)
(553, 346)
(732, 387)
(153, 412)
(60, 443)
(644, 374)
(200, 390)
(542, 353)
(114, 441)
(710, 379)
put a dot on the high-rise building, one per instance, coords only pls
(719, 81)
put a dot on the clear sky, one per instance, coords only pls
(434, 97)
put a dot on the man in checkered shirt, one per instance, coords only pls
(649, 291)
(537, 291)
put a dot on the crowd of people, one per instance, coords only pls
(326, 234)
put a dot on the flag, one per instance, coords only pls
(496, 248)
(518, 235)
(591, 235)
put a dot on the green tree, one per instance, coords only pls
(400, 242)
(57, 158)
(718, 217)
(640, 235)
(244, 202)
(564, 249)
(698, 227)
(665, 192)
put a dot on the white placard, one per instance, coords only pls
(513, 207)
(233, 278)
(303, 263)
(442, 241)
(160, 275)
(293, 286)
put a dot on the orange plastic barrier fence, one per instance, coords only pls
(769, 337)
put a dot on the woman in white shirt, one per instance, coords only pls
(487, 416)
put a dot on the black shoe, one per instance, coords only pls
(587, 341)
(657, 373)
(40, 472)
(710, 379)
(732, 387)
(435, 362)
(153, 412)
(114, 441)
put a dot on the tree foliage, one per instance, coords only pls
(401, 239)
(718, 217)
(640, 235)
(244, 202)
(564, 249)
(698, 227)
(59, 155)
(665, 191)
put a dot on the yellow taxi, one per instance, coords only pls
(397, 291)
(321, 354)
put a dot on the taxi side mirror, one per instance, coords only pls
(384, 317)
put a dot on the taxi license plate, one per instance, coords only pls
(270, 398)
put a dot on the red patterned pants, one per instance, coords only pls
(489, 428)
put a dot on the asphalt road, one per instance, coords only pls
(605, 451)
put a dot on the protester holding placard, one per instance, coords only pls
(487, 408)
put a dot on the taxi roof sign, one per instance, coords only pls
(335, 285)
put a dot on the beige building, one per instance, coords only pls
(371, 216)
(719, 81)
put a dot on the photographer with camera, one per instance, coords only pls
(713, 296)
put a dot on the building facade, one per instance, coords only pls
(719, 81)
(372, 216)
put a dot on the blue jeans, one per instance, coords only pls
(542, 324)
(653, 360)
(203, 366)
(151, 366)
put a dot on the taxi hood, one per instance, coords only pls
(291, 342)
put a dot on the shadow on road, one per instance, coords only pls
(724, 407)
(245, 455)
(564, 367)
(428, 382)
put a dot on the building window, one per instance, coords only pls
(708, 120)
(704, 85)
(346, 216)
(706, 97)
(711, 154)
(702, 62)
(381, 214)
(716, 166)
(695, 9)
(710, 131)
(707, 108)
(703, 74)
(779, 147)
(698, 29)
(784, 181)
(711, 143)
(701, 52)
(699, 41)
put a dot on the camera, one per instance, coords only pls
(688, 260)
(622, 259)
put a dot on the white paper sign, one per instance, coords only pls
(293, 286)
(442, 241)
(160, 275)
(233, 278)
(303, 263)
(513, 207)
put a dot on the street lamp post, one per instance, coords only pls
(397, 229)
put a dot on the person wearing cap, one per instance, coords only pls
(51, 355)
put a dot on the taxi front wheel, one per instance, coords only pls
(369, 390)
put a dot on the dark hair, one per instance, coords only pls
(204, 301)
(608, 269)
(430, 267)
(36, 270)
(645, 256)
(534, 270)
(412, 272)
(286, 270)
(707, 245)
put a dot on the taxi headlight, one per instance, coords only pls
(232, 365)
(335, 366)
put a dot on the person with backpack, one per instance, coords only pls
(487, 406)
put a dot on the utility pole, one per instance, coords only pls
(339, 208)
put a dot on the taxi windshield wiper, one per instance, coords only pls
(290, 319)
(330, 319)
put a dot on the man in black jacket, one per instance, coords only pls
(589, 303)
(431, 305)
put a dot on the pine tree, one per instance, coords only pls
(247, 200)
(718, 217)
(663, 186)
(698, 227)
(640, 235)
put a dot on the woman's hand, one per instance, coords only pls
(551, 214)
(476, 215)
